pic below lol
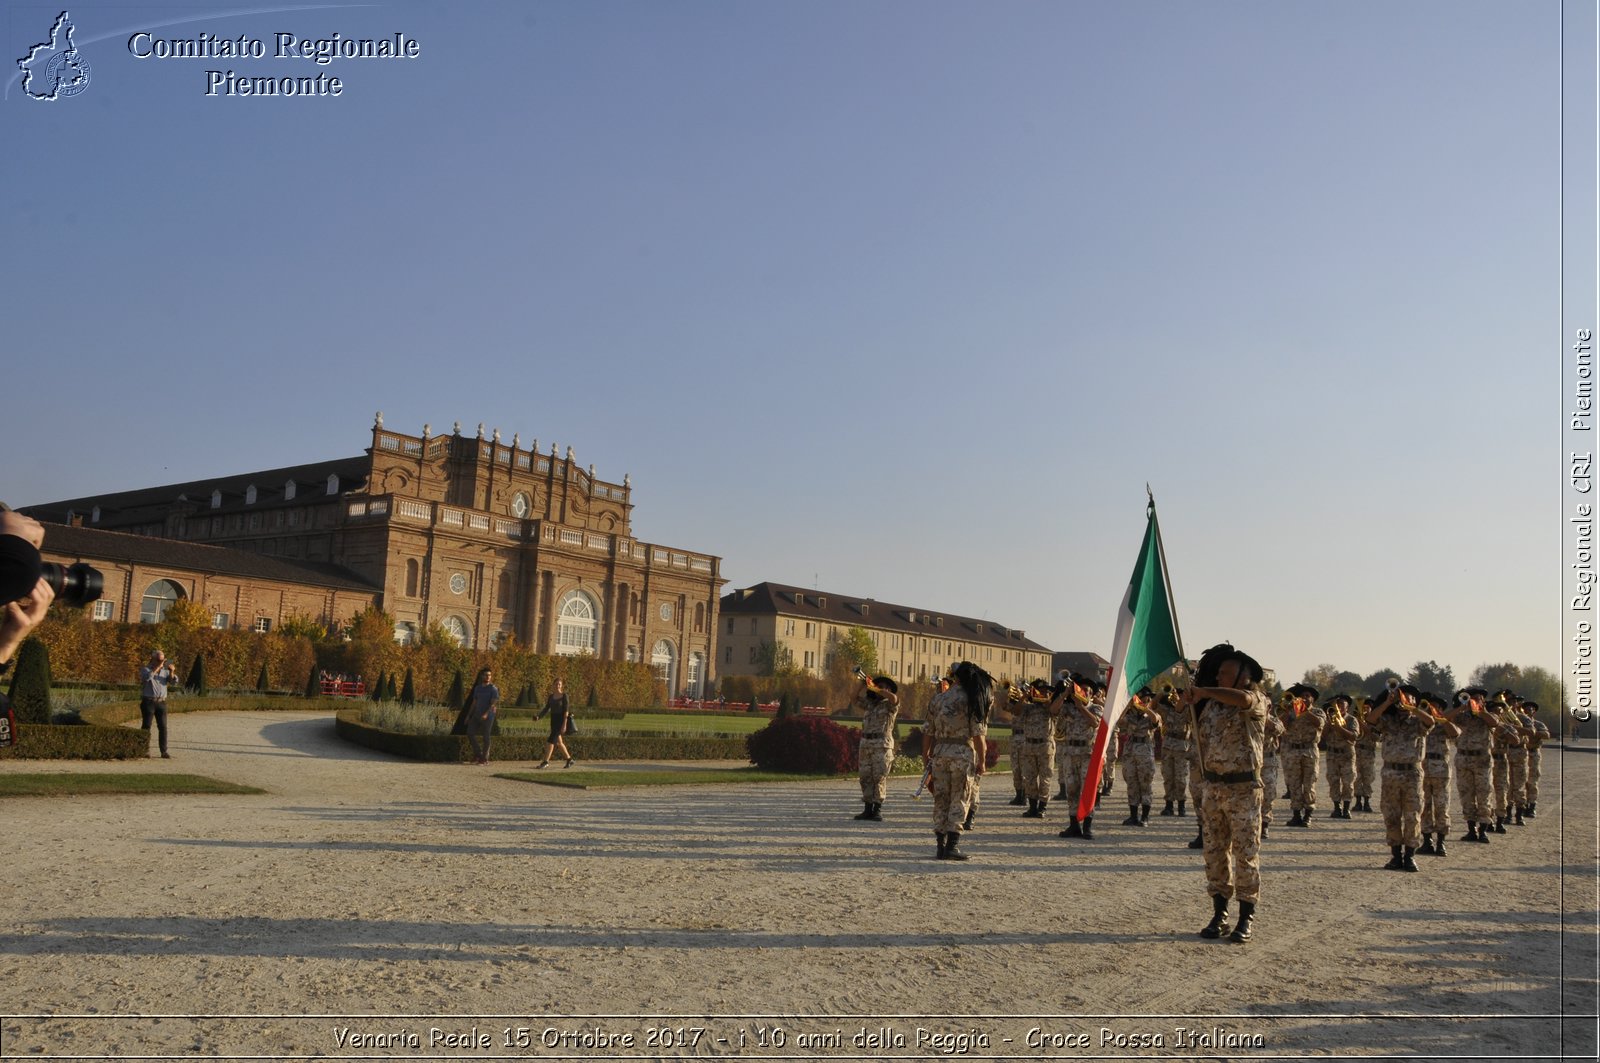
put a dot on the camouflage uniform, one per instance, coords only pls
(1299, 752)
(1517, 769)
(1062, 729)
(1015, 752)
(1473, 783)
(1340, 759)
(1174, 752)
(1500, 777)
(1436, 783)
(1076, 749)
(952, 763)
(1230, 741)
(1541, 735)
(1138, 756)
(1272, 735)
(1404, 737)
(1366, 764)
(1037, 725)
(878, 717)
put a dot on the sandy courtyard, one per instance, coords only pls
(371, 907)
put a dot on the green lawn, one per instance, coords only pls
(68, 784)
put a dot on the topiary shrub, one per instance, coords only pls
(458, 691)
(593, 701)
(408, 692)
(196, 683)
(389, 691)
(811, 744)
(261, 680)
(30, 683)
(314, 685)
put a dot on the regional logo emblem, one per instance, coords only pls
(55, 69)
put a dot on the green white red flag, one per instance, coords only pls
(1146, 644)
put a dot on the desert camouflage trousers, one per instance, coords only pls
(1174, 773)
(1231, 815)
(1300, 772)
(1366, 769)
(1500, 784)
(1401, 803)
(1015, 751)
(1075, 770)
(952, 786)
(876, 757)
(1436, 803)
(1474, 787)
(1341, 764)
(1530, 792)
(1139, 772)
(1037, 761)
(1269, 786)
(1517, 763)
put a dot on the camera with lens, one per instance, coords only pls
(75, 585)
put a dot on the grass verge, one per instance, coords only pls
(72, 784)
(595, 780)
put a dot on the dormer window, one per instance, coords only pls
(822, 603)
(863, 608)
(288, 490)
(799, 599)
(94, 517)
(980, 629)
(250, 495)
(216, 499)
(333, 483)
(911, 618)
(938, 621)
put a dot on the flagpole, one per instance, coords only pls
(1166, 579)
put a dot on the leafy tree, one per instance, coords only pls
(1375, 683)
(408, 693)
(854, 649)
(261, 680)
(30, 684)
(1431, 675)
(775, 659)
(1321, 676)
(1493, 677)
(303, 626)
(1345, 683)
(196, 683)
(186, 615)
(1543, 686)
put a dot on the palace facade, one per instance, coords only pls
(491, 540)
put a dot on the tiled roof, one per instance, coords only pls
(93, 544)
(833, 608)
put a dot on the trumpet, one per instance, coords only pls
(861, 674)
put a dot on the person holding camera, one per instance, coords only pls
(25, 595)
(1404, 724)
(1230, 715)
(154, 678)
(878, 702)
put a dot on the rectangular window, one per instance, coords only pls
(730, 625)
(811, 629)
(219, 621)
(727, 655)
(752, 655)
(788, 627)
(103, 610)
(262, 625)
(811, 658)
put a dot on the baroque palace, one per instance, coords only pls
(489, 539)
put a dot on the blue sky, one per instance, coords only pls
(906, 300)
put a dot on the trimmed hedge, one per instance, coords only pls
(38, 741)
(454, 748)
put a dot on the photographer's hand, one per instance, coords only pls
(13, 523)
(19, 617)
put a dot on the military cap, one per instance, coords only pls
(1304, 690)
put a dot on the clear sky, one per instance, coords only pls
(906, 300)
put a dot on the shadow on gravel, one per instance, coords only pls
(317, 738)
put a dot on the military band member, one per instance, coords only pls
(953, 746)
(1366, 761)
(1061, 732)
(1516, 759)
(1230, 715)
(1436, 777)
(1175, 728)
(1036, 720)
(1506, 737)
(1140, 726)
(1473, 768)
(1080, 722)
(1272, 737)
(1342, 734)
(1540, 735)
(1405, 725)
(877, 699)
(1014, 699)
(1303, 730)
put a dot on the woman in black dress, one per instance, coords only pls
(556, 706)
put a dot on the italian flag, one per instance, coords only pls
(1146, 645)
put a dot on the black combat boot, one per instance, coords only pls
(1033, 809)
(1483, 833)
(1020, 799)
(1247, 915)
(1199, 837)
(1427, 843)
(1219, 918)
(1398, 861)
(875, 813)
(1518, 821)
(1407, 861)
(1044, 803)
(942, 843)
(951, 852)
(1133, 817)
(1144, 815)
(1166, 809)
(866, 811)
(1181, 805)
(1533, 809)
(1088, 831)
(1499, 825)
(1265, 828)
(1062, 792)
(972, 810)
(1472, 832)
(1305, 818)
(1073, 830)
(1438, 850)
(1346, 810)
(1295, 820)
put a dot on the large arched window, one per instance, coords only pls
(663, 659)
(458, 629)
(158, 598)
(577, 624)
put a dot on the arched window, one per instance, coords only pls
(662, 659)
(405, 632)
(158, 598)
(413, 576)
(577, 624)
(697, 671)
(699, 616)
(459, 630)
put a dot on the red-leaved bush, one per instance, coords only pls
(911, 746)
(812, 744)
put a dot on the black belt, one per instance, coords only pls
(1436, 756)
(1302, 745)
(1037, 741)
(1470, 752)
(1398, 764)
(1076, 745)
(1230, 776)
(878, 734)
